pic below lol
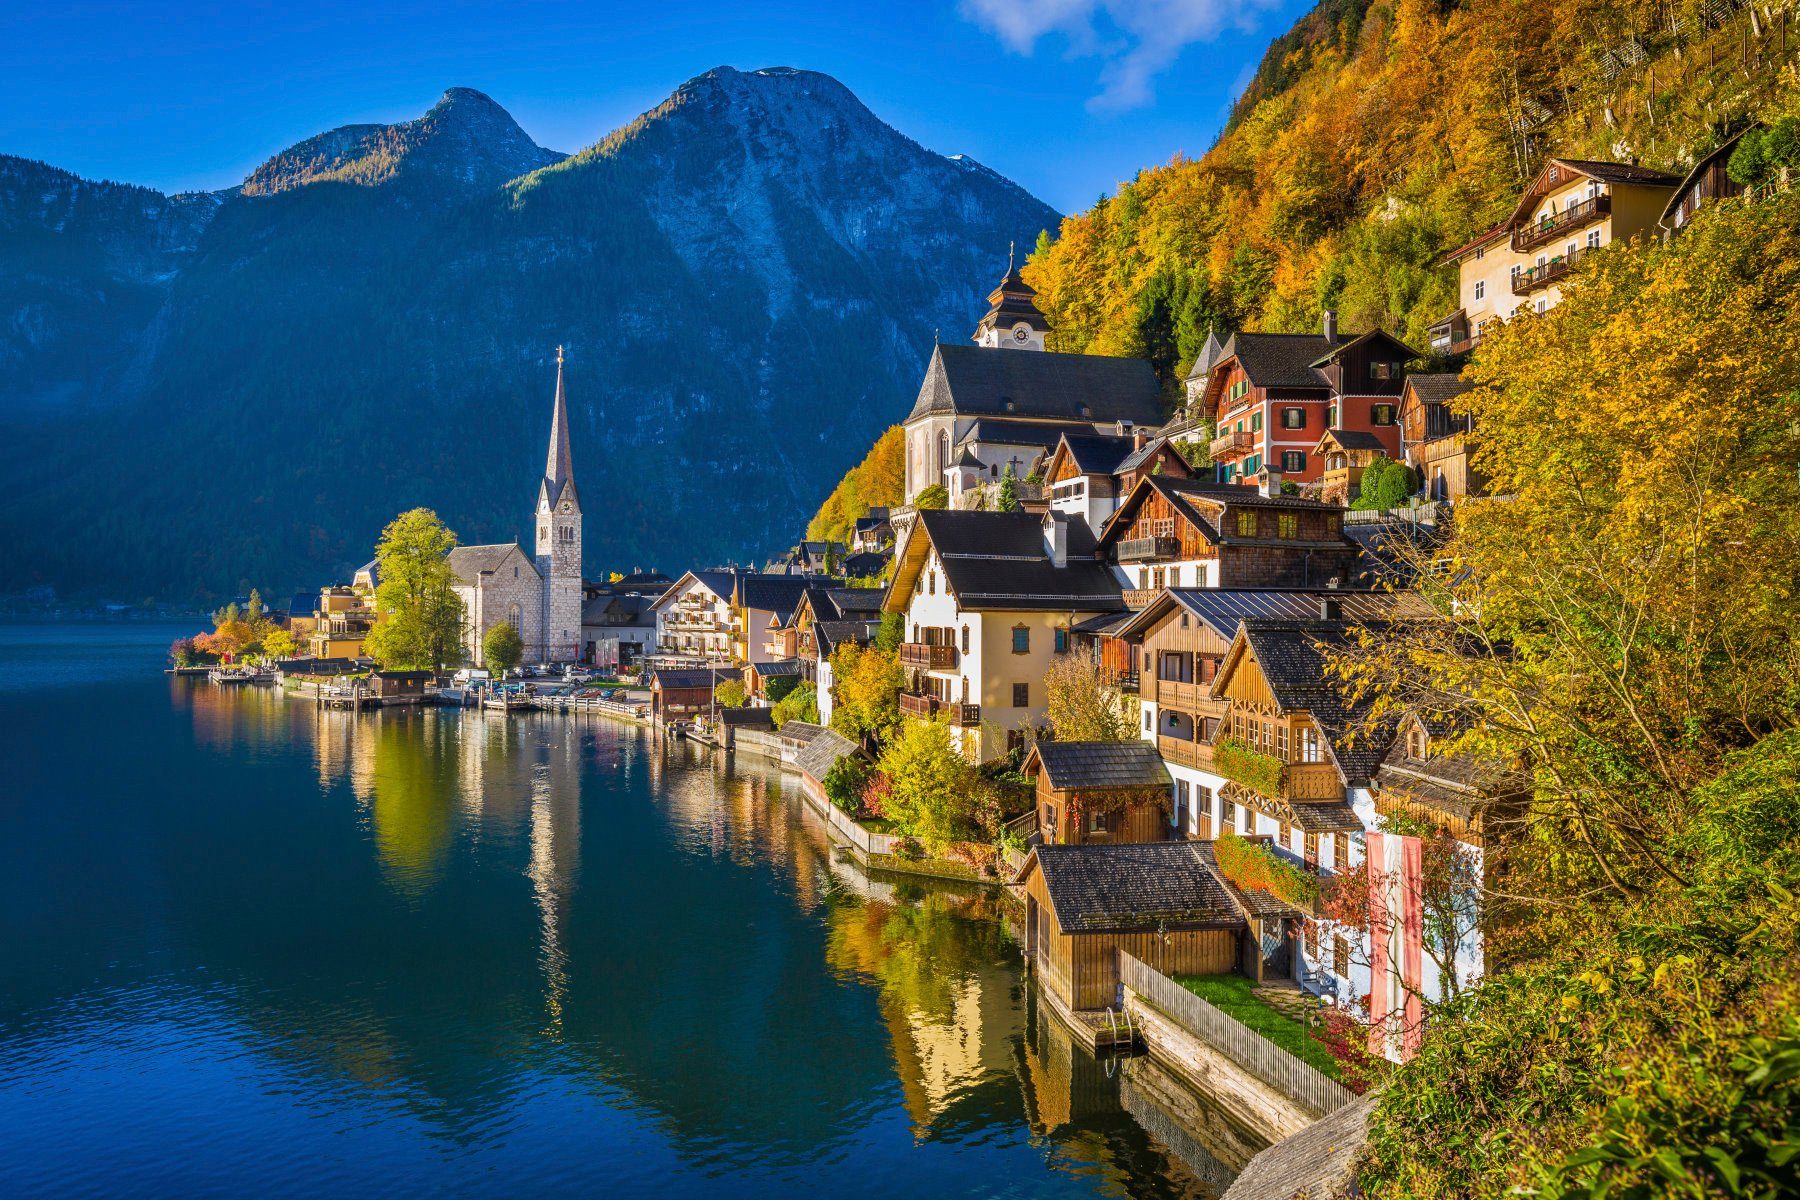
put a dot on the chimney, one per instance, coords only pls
(1331, 325)
(1139, 439)
(1056, 538)
(1330, 608)
(1271, 483)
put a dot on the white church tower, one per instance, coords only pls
(1013, 321)
(559, 539)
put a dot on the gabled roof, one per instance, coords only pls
(469, 563)
(1349, 439)
(1606, 172)
(827, 746)
(722, 584)
(1339, 347)
(304, 604)
(866, 564)
(1133, 887)
(1486, 237)
(1222, 609)
(777, 594)
(998, 562)
(1042, 384)
(780, 666)
(1093, 453)
(1280, 360)
(829, 635)
(1291, 656)
(1438, 387)
(693, 677)
(993, 431)
(1209, 354)
(1716, 154)
(845, 601)
(1202, 503)
(1098, 765)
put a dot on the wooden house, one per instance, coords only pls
(400, 687)
(686, 691)
(768, 682)
(1162, 902)
(1099, 793)
(1291, 745)
(1089, 474)
(1181, 640)
(1273, 396)
(1436, 439)
(1346, 453)
(1707, 183)
(1189, 533)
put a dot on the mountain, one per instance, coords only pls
(1372, 139)
(200, 393)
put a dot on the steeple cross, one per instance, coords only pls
(559, 351)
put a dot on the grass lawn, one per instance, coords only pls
(1236, 997)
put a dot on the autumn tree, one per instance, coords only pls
(279, 643)
(866, 684)
(731, 693)
(930, 784)
(1080, 707)
(801, 704)
(421, 614)
(502, 649)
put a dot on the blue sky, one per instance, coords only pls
(1065, 96)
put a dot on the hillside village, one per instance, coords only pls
(1097, 653)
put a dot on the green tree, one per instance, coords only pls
(1008, 499)
(421, 614)
(932, 786)
(731, 693)
(502, 649)
(936, 496)
(801, 704)
(1385, 484)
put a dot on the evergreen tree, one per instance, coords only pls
(1008, 499)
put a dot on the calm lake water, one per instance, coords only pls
(247, 948)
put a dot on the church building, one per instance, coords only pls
(539, 594)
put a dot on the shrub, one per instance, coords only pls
(779, 687)
(801, 704)
(1385, 484)
(1252, 768)
(935, 496)
(845, 781)
(1251, 865)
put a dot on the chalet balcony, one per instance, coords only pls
(1140, 597)
(1268, 776)
(916, 704)
(968, 716)
(1576, 216)
(927, 657)
(1231, 445)
(1184, 753)
(1537, 278)
(1149, 549)
(1187, 696)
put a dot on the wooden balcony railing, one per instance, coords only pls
(1188, 696)
(927, 656)
(1534, 278)
(1576, 216)
(1141, 597)
(1229, 445)
(966, 715)
(1185, 753)
(913, 704)
(1148, 548)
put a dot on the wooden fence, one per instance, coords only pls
(1303, 1084)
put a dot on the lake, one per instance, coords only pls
(249, 948)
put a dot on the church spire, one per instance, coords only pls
(559, 469)
(1013, 319)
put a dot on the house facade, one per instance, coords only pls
(694, 617)
(1099, 793)
(1570, 208)
(1437, 439)
(1089, 474)
(987, 600)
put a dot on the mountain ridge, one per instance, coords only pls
(747, 275)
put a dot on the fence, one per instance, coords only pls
(1302, 1084)
(843, 824)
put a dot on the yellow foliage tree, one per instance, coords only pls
(878, 481)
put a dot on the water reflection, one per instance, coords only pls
(488, 954)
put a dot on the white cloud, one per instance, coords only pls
(1136, 40)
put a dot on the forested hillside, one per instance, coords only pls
(1378, 135)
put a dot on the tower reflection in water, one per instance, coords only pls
(968, 1048)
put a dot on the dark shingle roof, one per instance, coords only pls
(781, 666)
(822, 753)
(998, 561)
(468, 563)
(1098, 454)
(1618, 172)
(1035, 434)
(1101, 764)
(1291, 655)
(976, 381)
(829, 635)
(1281, 360)
(1221, 609)
(778, 594)
(1318, 1163)
(845, 601)
(1439, 388)
(867, 565)
(1355, 439)
(304, 604)
(1135, 886)
(693, 677)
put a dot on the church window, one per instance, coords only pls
(515, 572)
